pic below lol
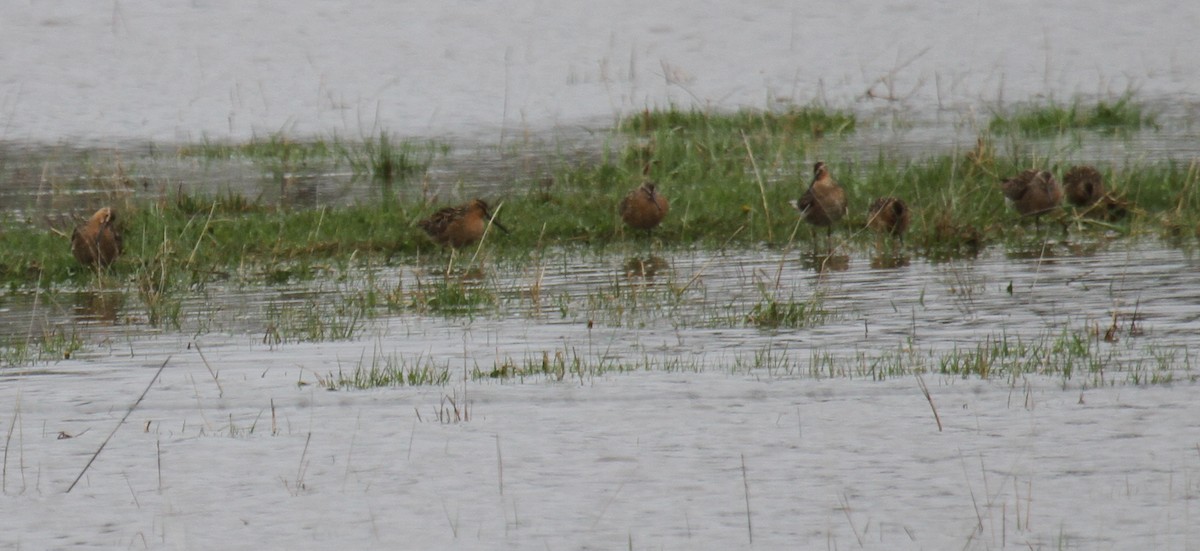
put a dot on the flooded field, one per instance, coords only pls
(989, 384)
(623, 406)
(846, 314)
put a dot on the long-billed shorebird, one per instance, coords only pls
(1084, 186)
(1032, 193)
(824, 203)
(461, 225)
(97, 243)
(644, 208)
(889, 215)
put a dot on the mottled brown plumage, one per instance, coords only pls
(1032, 192)
(459, 226)
(1083, 186)
(97, 243)
(888, 215)
(644, 208)
(825, 201)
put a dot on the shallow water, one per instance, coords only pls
(694, 304)
(646, 460)
(221, 69)
(718, 433)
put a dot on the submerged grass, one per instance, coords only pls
(771, 313)
(450, 297)
(571, 364)
(55, 344)
(388, 371)
(314, 320)
(1075, 356)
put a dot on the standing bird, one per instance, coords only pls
(459, 226)
(644, 208)
(889, 215)
(97, 243)
(1032, 193)
(1084, 186)
(825, 201)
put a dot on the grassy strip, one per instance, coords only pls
(728, 178)
(380, 157)
(1074, 355)
(1124, 114)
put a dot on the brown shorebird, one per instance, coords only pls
(97, 243)
(1083, 185)
(644, 208)
(460, 226)
(1032, 193)
(889, 215)
(825, 201)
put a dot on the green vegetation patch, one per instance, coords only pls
(1124, 114)
(381, 157)
(388, 370)
(810, 121)
(728, 178)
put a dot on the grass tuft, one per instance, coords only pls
(790, 314)
(388, 371)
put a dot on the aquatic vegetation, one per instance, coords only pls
(811, 121)
(1123, 114)
(275, 146)
(774, 314)
(52, 345)
(386, 160)
(282, 157)
(449, 297)
(313, 320)
(387, 370)
(570, 363)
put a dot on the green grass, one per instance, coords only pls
(381, 157)
(275, 147)
(1075, 356)
(55, 344)
(571, 364)
(451, 297)
(314, 320)
(790, 314)
(1124, 114)
(388, 371)
(717, 197)
(798, 122)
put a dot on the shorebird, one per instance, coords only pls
(1083, 185)
(888, 215)
(97, 243)
(644, 208)
(1032, 193)
(459, 226)
(825, 201)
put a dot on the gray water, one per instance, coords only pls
(182, 72)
